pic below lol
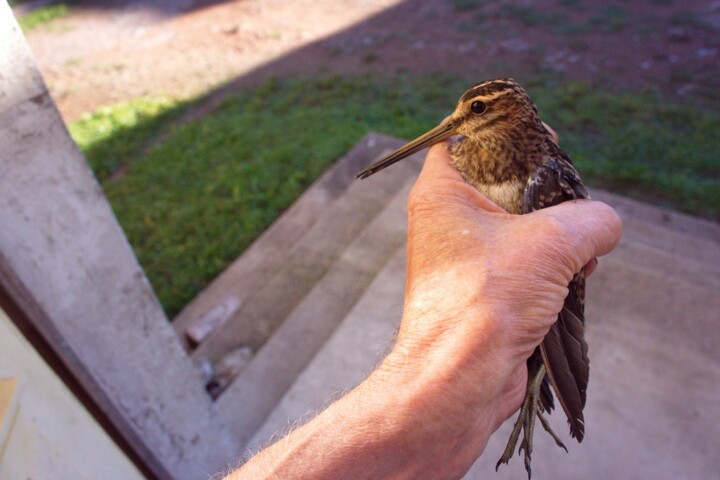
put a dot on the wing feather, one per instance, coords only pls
(564, 350)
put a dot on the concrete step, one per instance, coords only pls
(268, 254)
(262, 384)
(679, 308)
(689, 237)
(661, 262)
(654, 378)
(664, 217)
(652, 328)
(347, 357)
(651, 409)
(653, 342)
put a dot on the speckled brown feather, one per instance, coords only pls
(564, 349)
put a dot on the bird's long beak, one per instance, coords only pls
(445, 130)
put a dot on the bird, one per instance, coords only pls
(502, 148)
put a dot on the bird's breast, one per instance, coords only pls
(507, 194)
(494, 167)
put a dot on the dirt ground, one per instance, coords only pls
(104, 52)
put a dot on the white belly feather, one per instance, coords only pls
(507, 195)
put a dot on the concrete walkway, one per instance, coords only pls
(652, 314)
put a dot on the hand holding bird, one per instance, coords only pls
(483, 289)
(501, 148)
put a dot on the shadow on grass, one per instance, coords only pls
(164, 7)
(194, 183)
(34, 13)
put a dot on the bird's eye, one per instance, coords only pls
(478, 107)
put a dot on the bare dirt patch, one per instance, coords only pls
(104, 52)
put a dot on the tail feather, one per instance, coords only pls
(565, 354)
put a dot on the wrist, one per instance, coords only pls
(446, 391)
(423, 427)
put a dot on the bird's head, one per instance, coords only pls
(491, 108)
(486, 111)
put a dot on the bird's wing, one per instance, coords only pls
(553, 182)
(564, 350)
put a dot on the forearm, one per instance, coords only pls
(407, 418)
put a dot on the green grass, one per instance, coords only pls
(42, 15)
(465, 5)
(194, 201)
(609, 18)
(191, 204)
(640, 144)
(605, 19)
(530, 16)
(689, 19)
(113, 136)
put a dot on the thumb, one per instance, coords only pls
(591, 229)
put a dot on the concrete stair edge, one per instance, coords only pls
(664, 263)
(254, 394)
(671, 241)
(363, 337)
(309, 259)
(224, 295)
(660, 216)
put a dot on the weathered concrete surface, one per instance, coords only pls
(276, 366)
(66, 262)
(653, 332)
(692, 239)
(358, 344)
(654, 387)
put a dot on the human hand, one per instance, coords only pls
(483, 287)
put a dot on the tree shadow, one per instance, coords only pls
(163, 8)
(392, 53)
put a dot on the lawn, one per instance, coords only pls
(192, 196)
(41, 15)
